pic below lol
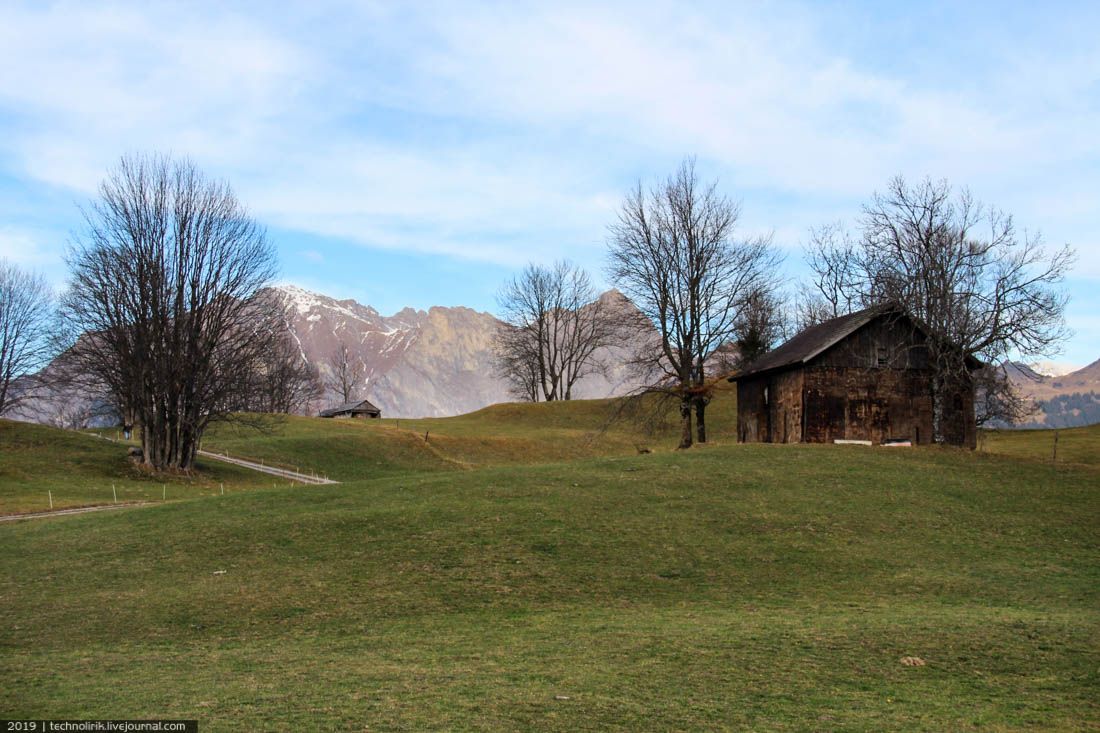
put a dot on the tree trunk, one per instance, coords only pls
(700, 419)
(685, 423)
(938, 409)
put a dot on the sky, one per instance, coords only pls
(419, 154)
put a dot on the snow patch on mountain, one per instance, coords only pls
(1053, 368)
(416, 363)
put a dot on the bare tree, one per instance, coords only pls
(980, 289)
(996, 399)
(517, 363)
(759, 325)
(26, 315)
(553, 325)
(673, 253)
(164, 286)
(345, 372)
(282, 380)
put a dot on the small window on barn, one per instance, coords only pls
(881, 357)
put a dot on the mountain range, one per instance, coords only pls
(1062, 401)
(423, 363)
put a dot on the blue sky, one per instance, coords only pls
(418, 154)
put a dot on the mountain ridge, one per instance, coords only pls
(419, 363)
(1068, 400)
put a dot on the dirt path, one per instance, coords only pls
(75, 510)
(304, 478)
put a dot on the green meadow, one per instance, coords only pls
(525, 568)
(78, 469)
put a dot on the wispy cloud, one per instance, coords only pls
(505, 132)
(25, 247)
(316, 133)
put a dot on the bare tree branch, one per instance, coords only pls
(26, 317)
(164, 286)
(553, 326)
(673, 253)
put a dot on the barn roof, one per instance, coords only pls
(814, 340)
(811, 342)
(357, 406)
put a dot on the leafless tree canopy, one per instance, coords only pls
(26, 314)
(835, 285)
(980, 287)
(996, 400)
(553, 325)
(673, 253)
(761, 323)
(283, 380)
(345, 373)
(164, 285)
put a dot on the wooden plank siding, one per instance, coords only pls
(873, 383)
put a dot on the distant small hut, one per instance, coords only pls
(863, 377)
(360, 409)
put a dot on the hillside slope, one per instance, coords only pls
(81, 470)
(1068, 400)
(503, 434)
(738, 587)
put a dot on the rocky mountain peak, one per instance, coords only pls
(416, 363)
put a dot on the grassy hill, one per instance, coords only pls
(504, 434)
(80, 470)
(1075, 446)
(498, 586)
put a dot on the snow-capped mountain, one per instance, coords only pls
(1065, 400)
(1053, 368)
(419, 363)
(411, 364)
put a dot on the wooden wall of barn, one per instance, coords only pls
(959, 427)
(776, 414)
(852, 403)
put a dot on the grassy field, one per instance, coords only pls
(1075, 446)
(505, 434)
(80, 470)
(484, 588)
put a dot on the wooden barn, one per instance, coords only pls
(360, 409)
(863, 376)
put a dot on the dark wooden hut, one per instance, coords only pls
(360, 409)
(862, 377)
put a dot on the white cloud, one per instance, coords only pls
(25, 247)
(91, 83)
(503, 134)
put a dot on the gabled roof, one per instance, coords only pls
(813, 341)
(358, 406)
